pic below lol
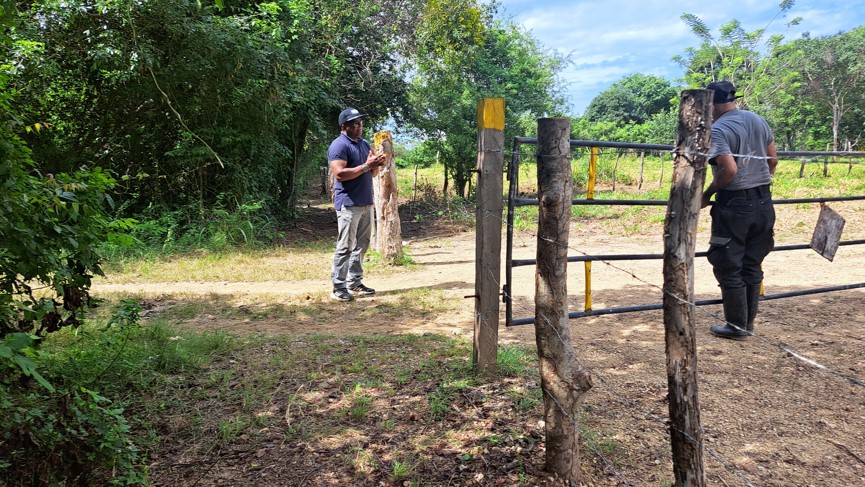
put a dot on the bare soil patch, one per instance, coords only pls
(770, 418)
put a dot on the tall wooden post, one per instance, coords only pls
(488, 243)
(680, 225)
(563, 379)
(388, 235)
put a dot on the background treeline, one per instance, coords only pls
(202, 110)
(199, 108)
(811, 90)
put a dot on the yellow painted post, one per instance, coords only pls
(488, 243)
(588, 285)
(593, 171)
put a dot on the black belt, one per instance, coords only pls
(758, 192)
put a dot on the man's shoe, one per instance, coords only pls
(728, 331)
(362, 290)
(342, 294)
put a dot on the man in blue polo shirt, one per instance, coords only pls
(353, 164)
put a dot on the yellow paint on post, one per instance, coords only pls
(588, 285)
(380, 137)
(593, 172)
(491, 113)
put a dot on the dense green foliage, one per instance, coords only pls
(811, 90)
(196, 108)
(828, 78)
(633, 99)
(465, 55)
(51, 225)
(89, 428)
(69, 433)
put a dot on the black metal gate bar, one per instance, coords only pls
(513, 173)
(513, 201)
(703, 302)
(582, 202)
(614, 257)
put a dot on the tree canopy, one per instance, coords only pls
(633, 99)
(488, 58)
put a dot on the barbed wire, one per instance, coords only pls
(619, 396)
(782, 346)
(637, 406)
(605, 151)
(648, 414)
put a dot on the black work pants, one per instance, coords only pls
(742, 235)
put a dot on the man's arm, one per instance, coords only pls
(725, 173)
(341, 171)
(772, 152)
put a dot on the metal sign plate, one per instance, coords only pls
(827, 233)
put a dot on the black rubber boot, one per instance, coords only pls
(753, 291)
(735, 312)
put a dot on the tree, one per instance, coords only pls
(198, 106)
(464, 55)
(51, 227)
(735, 55)
(832, 71)
(633, 99)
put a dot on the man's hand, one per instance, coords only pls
(375, 159)
(706, 197)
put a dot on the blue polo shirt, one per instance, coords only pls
(358, 191)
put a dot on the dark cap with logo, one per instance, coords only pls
(348, 115)
(725, 92)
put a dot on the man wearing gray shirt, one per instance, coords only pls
(743, 159)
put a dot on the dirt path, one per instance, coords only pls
(768, 417)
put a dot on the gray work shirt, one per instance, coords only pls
(745, 136)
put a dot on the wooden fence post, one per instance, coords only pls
(488, 239)
(388, 233)
(563, 380)
(680, 225)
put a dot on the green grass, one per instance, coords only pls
(299, 262)
(656, 186)
(513, 361)
(400, 469)
(198, 390)
(360, 404)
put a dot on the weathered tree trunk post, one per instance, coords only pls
(683, 211)
(563, 380)
(388, 233)
(488, 237)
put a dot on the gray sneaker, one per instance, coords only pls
(362, 290)
(341, 294)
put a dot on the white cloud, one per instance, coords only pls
(612, 39)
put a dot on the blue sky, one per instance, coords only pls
(608, 40)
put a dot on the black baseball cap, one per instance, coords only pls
(348, 115)
(725, 92)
